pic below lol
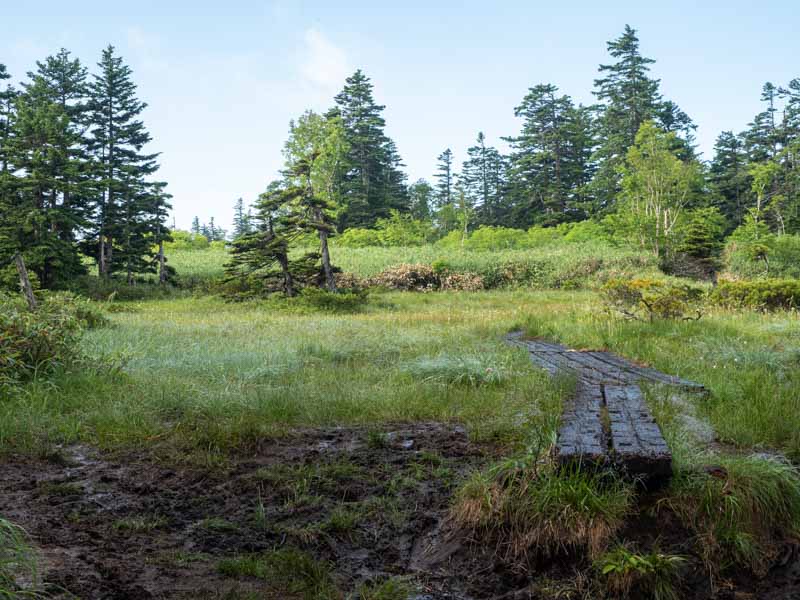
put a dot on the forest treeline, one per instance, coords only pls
(627, 164)
(75, 177)
(76, 181)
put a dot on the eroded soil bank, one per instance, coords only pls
(369, 504)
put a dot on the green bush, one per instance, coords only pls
(357, 237)
(763, 294)
(650, 299)
(338, 302)
(185, 240)
(37, 343)
(488, 238)
(652, 575)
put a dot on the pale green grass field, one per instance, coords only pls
(214, 376)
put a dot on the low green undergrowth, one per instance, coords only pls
(650, 575)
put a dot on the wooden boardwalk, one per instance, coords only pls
(607, 422)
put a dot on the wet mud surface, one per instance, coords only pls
(369, 505)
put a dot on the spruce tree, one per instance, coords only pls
(482, 176)
(422, 199)
(729, 178)
(240, 219)
(629, 97)
(550, 160)
(42, 185)
(123, 205)
(196, 225)
(371, 183)
(446, 178)
(259, 261)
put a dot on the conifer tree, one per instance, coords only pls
(422, 199)
(45, 166)
(550, 159)
(123, 204)
(729, 178)
(196, 225)
(446, 177)
(241, 225)
(260, 257)
(629, 97)
(316, 153)
(482, 176)
(371, 183)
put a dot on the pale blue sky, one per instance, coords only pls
(224, 78)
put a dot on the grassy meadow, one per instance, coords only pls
(189, 379)
(217, 375)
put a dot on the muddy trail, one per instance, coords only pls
(364, 506)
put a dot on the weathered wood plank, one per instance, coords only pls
(637, 446)
(647, 373)
(581, 438)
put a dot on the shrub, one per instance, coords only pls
(356, 237)
(766, 294)
(417, 278)
(467, 282)
(186, 240)
(338, 302)
(489, 238)
(649, 299)
(542, 236)
(34, 343)
(653, 575)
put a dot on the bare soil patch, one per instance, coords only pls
(371, 504)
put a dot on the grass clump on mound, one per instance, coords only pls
(741, 510)
(529, 512)
(456, 370)
(287, 570)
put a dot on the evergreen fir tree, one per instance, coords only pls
(241, 225)
(196, 225)
(371, 183)
(729, 178)
(482, 176)
(550, 162)
(124, 224)
(45, 166)
(446, 177)
(629, 97)
(422, 200)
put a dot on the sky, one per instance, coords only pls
(223, 79)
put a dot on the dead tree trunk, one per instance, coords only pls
(24, 281)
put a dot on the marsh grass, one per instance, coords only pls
(19, 569)
(287, 570)
(212, 377)
(530, 512)
(748, 361)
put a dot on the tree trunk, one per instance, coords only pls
(24, 282)
(330, 283)
(288, 282)
(162, 264)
